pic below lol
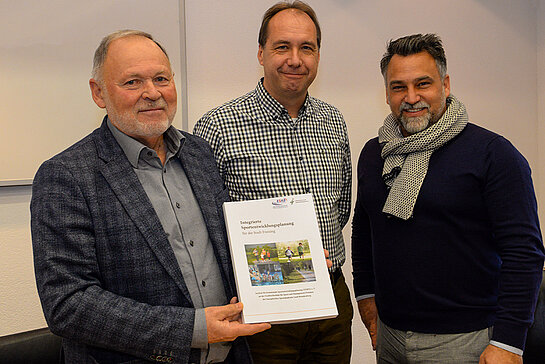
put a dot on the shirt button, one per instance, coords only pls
(203, 283)
(191, 242)
(300, 157)
(177, 204)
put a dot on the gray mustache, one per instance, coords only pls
(406, 106)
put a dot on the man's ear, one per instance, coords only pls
(446, 85)
(260, 54)
(97, 93)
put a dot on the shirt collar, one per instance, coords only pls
(132, 147)
(273, 107)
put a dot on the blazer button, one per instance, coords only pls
(191, 242)
(203, 283)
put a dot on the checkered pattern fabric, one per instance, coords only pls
(262, 153)
(406, 160)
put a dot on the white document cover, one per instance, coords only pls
(278, 258)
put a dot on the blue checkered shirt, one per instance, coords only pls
(262, 153)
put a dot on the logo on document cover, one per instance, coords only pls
(282, 202)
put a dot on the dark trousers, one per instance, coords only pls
(314, 342)
(534, 353)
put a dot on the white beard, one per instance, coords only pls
(415, 124)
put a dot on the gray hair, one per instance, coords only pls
(102, 50)
(413, 44)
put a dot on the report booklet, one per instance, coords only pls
(279, 261)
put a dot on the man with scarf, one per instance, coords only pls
(446, 247)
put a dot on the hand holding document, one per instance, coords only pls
(278, 259)
(223, 323)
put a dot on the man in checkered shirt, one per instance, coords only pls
(277, 140)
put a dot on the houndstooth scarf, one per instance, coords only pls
(406, 159)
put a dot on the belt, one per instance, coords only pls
(335, 275)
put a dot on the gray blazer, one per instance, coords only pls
(107, 277)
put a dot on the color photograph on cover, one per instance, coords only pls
(263, 264)
(279, 263)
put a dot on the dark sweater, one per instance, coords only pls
(470, 257)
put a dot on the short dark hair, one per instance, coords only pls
(102, 50)
(413, 44)
(284, 5)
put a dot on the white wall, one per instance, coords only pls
(20, 308)
(47, 51)
(492, 51)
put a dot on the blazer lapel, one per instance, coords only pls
(125, 184)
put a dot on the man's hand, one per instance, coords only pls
(494, 355)
(368, 313)
(223, 323)
(328, 262)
